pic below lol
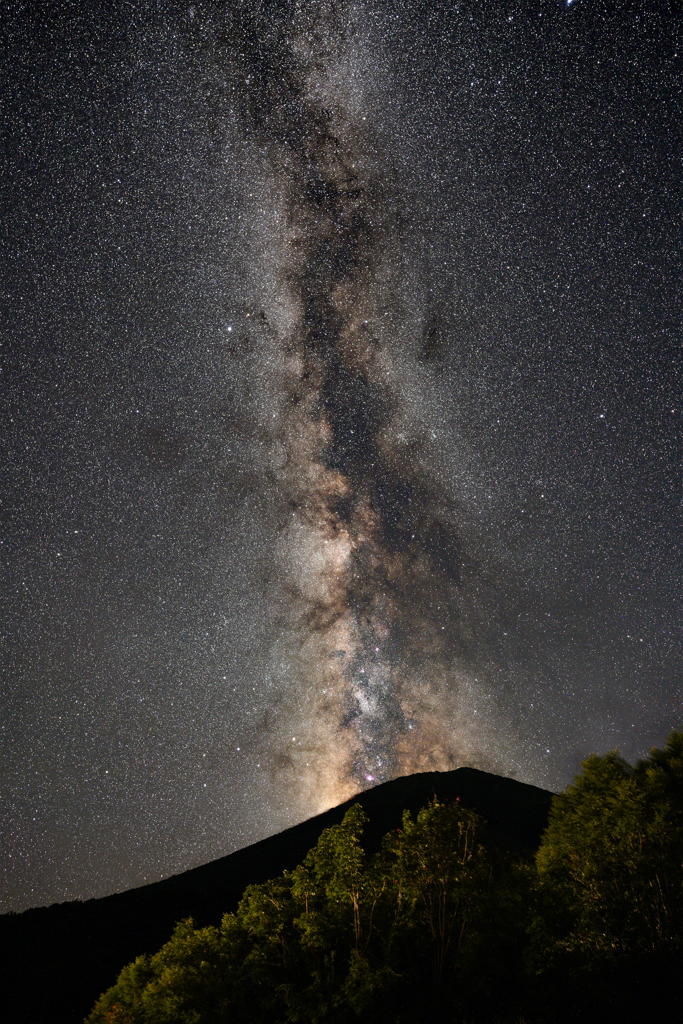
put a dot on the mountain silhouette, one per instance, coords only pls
(59, 959)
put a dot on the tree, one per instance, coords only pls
(613, 850)
(660, 778)
(439, 874)
(337, 892)
(199, 975)
(122, 1003)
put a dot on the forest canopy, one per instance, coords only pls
(442, 923)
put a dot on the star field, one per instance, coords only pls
(342, 413)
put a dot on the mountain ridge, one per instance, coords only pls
(59, 958)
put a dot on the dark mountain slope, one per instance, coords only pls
(58, 959)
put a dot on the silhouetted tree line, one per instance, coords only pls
(440, 926)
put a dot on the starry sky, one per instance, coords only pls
(342, 412)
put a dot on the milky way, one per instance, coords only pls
(344, 433)
(383, 596)
(394, 603)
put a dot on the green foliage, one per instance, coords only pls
(332, 883)
(439, 873)
(122, 1003)
(196, 977)
(437, 923)
(613, 852)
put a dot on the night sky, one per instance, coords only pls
(342, 412)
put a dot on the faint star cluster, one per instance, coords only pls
(342, 433)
